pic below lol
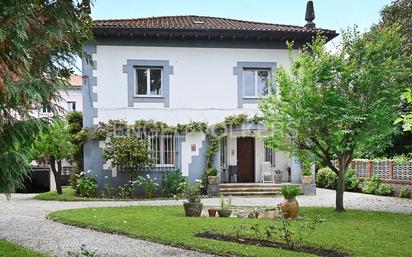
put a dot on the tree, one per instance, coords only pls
(331, 105)
(128, 151)
(39, 40)
(54, 145)
(398, 12)
(78, 136)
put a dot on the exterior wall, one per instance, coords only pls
(202, 87)
(203, 77)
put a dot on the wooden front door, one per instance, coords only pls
(246, 159)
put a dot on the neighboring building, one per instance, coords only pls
(42, 179)
(72, 100)
(178, 69)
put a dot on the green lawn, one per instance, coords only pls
(68, 195)
(8, 249)
(359, 233)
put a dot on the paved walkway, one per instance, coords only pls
(22, 220)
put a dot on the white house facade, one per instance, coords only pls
(182, 69)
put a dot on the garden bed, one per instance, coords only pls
(272, 244)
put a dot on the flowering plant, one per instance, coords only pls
(149, 184)
(191, 192)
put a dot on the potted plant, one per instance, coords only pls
(191, 192)
(212, 176)
(290, 206)
(270, 213)
(225, 205)
(306, 175)
(278, 176)
(212, 212)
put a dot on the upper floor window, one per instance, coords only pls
(149, 81)
(255, 82)
(71, 106)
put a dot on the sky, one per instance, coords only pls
(330, 14)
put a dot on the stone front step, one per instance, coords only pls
(251, 189)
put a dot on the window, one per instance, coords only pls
(71, 106)
(223, 152)
(255, 82)
(148, 82)
(270, 156)
(45, 108)
(164, 149)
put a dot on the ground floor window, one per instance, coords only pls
(163, 148)
(269, 155)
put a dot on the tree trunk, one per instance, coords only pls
(57, 174)
(343, 166)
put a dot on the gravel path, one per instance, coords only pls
(22, 220)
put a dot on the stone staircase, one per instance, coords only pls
(250, 189)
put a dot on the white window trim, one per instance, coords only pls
(256, 78)
(147, 82)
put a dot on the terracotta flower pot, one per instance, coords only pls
(212, 212)
(193, 209)
(306, 179)
(290, 208)
(270, 214)
(213, 180)
(224, 213)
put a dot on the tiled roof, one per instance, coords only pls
(203, 23)
(76, 81)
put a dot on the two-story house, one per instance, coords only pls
(178, 69)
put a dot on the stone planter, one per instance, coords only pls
(270, 214)
(213, 180)
(212, 212)
(224, 213)
(193, 209)
(307, 179)
(290, 208)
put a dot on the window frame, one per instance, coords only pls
(47, 108)
(159, 153)
(256, 70)
(223, 152)
(72, 103)
(136, 81)
(270, 156)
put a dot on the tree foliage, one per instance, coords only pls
(54, 145)
(39, 40)
(333, 104)
(128, 151)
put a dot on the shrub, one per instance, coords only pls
(171, 182)
(290, 192)
(211, 172)
(351, 181)
(306, 172)
(372, 185)
(384, 189)
(149, 185)
(86, 187)
(326, 178)
(191, 192)
(404, 193)
(225, 204)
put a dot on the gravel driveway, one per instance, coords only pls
(22, 220)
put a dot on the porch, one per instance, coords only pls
(251, 189)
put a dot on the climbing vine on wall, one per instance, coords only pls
(213, 134)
